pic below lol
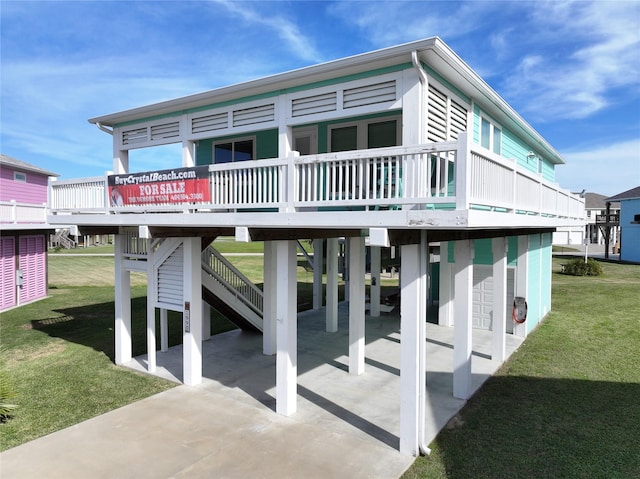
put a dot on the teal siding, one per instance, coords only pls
(512, 251)
(266, 146)
(545, 273)
(534, 290)
(548, 170)
(483, 251)
(476, 124)
(514, 148)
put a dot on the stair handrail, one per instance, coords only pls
(232, 279)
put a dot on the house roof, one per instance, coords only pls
(431, 51)
(631, 194)
(21, 165)
(595, 201)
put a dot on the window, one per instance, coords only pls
(490, 136)
(364, 134)
(17, 176)
(241, 149)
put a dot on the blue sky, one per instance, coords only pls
(571, 69)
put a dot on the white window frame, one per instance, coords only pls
(362, 130)
(19, 176)
(493, 126)
(307, 131)
(233, 141)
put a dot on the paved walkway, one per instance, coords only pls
(345, 426)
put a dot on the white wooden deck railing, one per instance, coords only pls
(453, 175)
(232, 279)
(22, 213)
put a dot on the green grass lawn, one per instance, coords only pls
(59, 352)
(567, 403)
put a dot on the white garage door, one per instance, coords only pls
(482, 310)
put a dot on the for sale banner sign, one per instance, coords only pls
(179, 185)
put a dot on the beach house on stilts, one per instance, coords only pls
(402, 147)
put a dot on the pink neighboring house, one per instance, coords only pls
(24, 230)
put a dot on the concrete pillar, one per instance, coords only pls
(123, 347)
(317, 273)
(192, 314)
(151, 311)
(332, 286)
(356, 305)
(164, 331)
(522, 280)
(269, 289)
(206, 321)
(374, 299)
(499, 327)
(287, 328)
(462, 325)
(412, 318)
(445, 304)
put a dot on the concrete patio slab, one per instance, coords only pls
(345, 425)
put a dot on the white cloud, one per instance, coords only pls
(581, 53)
(606, 169)
(287, 30)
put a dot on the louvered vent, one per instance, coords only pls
(314, 104)
(166, 130)
(458, 120)
(370, 94)
(202, 124)
(138, 135)
(437, 124)
(257, 114)
(170, 280)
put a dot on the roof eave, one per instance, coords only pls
(433, 50)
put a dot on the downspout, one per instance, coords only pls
(424, 83)
(424, 258)
(104, 128)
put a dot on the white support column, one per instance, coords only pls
(206, 321)
(188, 154)
(356, 305)
(123, 347)
(410, 323)
(192, 315)
(499, 326)
(445, 304)
(270, 287)
(317, 273)
(287, 328)
(374, 300)
(164, 331)
(462, 325)
(151, 311)
(522, 279)
(120, 161)
(332, 286)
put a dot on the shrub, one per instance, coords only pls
(6, 393)
(578, 267)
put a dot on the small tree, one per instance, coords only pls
(578, 267)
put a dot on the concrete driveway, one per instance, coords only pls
(345, 426)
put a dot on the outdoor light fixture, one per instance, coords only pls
(531, 156)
